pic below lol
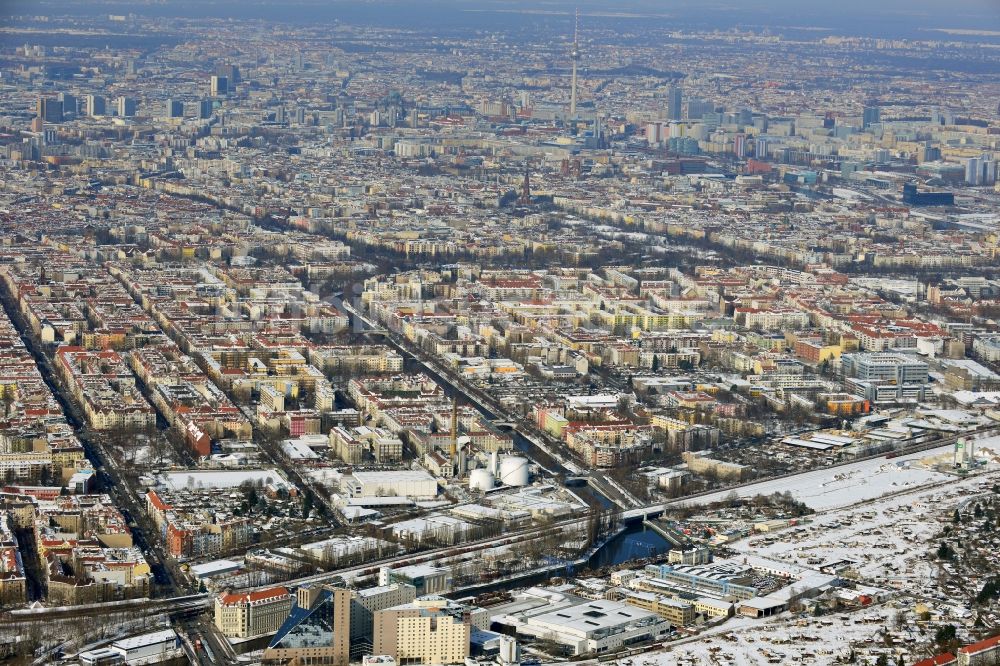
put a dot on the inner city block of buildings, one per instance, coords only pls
(485, 334)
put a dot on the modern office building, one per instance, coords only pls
(70, 104)
(871, 115)
(722, 580)
(897, 368)
(126, 107)
(220, 86)
(674, 102)
(316, 631)
(698, 108)
(974, 171)
(174, 108)
(230, 72)
(95, 105)
(152, 648)
(425, 579)
(885, 377)
(989, 171)
(596, 627)
(365, 603)
(429, 630)
(914, 197)
(49, 109)
(980, 170)
(205, 108)
(740, 145)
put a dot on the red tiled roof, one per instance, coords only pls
(155, 500)
(260, 595)
(981, 645)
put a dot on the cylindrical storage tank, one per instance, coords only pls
(481, 479)
(514, 471)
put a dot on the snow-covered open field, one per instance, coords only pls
(220, 478)
(743, 642)
(849, 484)
(878, 516)
(887, 538)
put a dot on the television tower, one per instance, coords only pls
(574, 54)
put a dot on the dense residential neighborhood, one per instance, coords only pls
(478, 335)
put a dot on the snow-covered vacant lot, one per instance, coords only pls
(849, 484)
(781, 640)
(880, 516)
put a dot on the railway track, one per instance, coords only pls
(192, 604)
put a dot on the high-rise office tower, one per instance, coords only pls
(740, 145)
(174, 108)
(974, 171)
(205, 109)
(220, 86)
(574, 55)
(70, 104)
(989, 170)
(49, 109)
(95, 105)
(318, 629)
(872, 115)
(674, 103)
(654, 133)
(928, 153)
(696, 108)
(231, 72)
(760, 148)
(126, 107)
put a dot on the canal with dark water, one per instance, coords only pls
(635, 543)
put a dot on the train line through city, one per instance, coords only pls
(173, 606)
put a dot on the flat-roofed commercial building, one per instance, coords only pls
(596, 626)
(404, 483)
(424, 631)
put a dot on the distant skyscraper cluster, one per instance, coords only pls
(981, 170)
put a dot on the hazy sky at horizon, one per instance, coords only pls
(866, 17)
